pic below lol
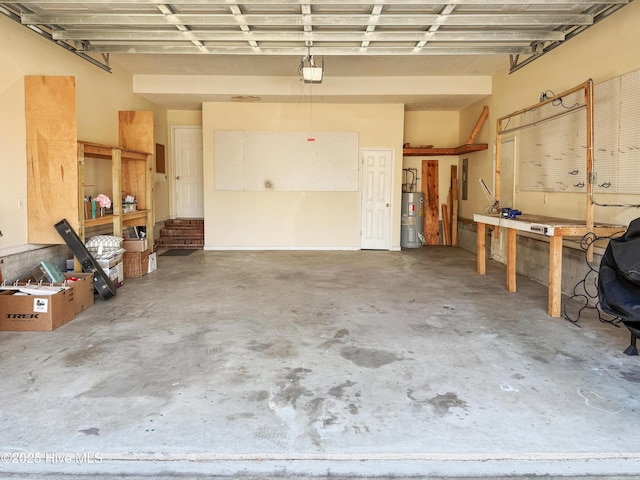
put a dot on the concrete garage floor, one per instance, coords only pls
(290, 364)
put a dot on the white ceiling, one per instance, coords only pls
(378, 39)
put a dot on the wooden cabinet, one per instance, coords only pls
(59, 165)
(52, 174)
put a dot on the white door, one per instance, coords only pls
(188, 177)
(377, 170)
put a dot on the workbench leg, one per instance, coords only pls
(481, 262)
(555, 276)
(511, 259)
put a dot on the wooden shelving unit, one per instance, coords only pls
(128, 167)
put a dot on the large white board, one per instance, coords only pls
(553, 153)
(286, 161)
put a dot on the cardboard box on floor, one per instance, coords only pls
(135, 245)
(20, 312)
(114, 268)
(116, 273)
(83, 291)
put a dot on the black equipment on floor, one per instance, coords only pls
(619, 281)
(101, 281)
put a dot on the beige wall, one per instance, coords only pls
(602, 52)
(277, 219)
(99, 97)
(437, 128)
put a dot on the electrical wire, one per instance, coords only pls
(493, 208)
(585, 292)
(560, 101)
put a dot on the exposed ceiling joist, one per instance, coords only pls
(325, 20)
(300, 51)
(519, 30)
(321, 2)
(391, 37)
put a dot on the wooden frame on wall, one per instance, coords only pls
(161, 160)
(502, 128)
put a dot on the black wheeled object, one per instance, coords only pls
(101, 281)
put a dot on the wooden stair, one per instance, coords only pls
(182, 233)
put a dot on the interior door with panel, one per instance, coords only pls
(377, 172)
(188, 175)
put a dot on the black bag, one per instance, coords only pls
(619, 280)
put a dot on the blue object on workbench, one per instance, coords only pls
(510, 213)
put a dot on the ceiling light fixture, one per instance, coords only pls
(311, 71)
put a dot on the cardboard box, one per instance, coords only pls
(135, 245)
(116, 274)
(19, 312)
(113, 268)
(83, 291)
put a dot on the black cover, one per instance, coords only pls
(619, 277)
(101, 281)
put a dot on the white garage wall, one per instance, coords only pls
(299, 219)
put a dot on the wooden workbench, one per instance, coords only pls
(554, 228)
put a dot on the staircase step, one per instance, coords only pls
(182, 239)
(182, 233)
(178, 222)
(179, 243)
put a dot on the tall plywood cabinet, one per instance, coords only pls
(59, 164)
(52, 178)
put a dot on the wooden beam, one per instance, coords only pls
(453, 205)
(590, 205)
(429, 183)
(512, 235)
(555, 276)
(581, 231)
(481, 260)
(427, 152)
(446, 225)
(478, 126)
(454, 212)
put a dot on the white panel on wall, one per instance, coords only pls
(552, 153)
(229, 165)
(286, 161)
(617, 135)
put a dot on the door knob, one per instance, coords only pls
(178, 177)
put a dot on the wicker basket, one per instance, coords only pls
(136, 264)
